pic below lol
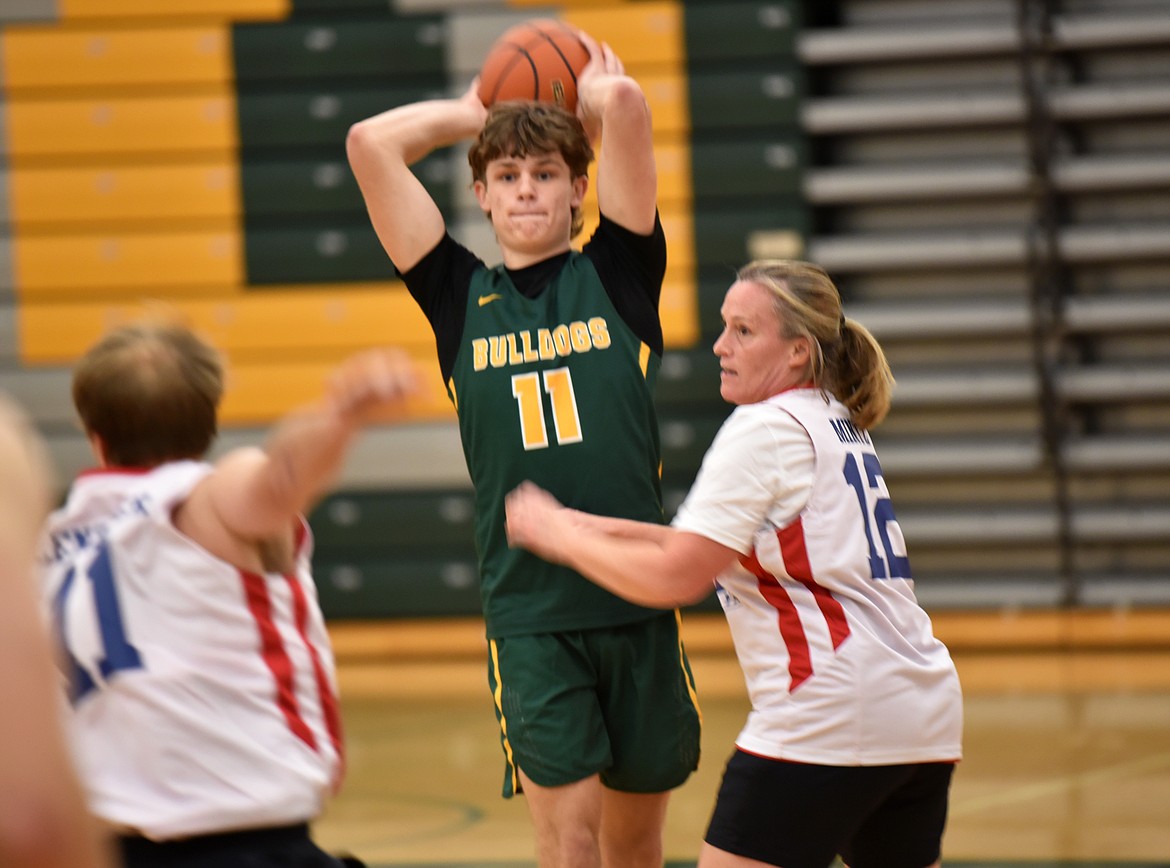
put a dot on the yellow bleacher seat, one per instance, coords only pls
(258, 393)
(322, 324)
(646, 36)
(236, 10)
(200, 191)
(159, 126)
(70, 58)
(127, 265)
(674, 181)
(666, 94)
(678, 309)
(674, 175)
(678, 224)
(264, 324)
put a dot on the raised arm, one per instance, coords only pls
(255, 494)
(381, 150)
(612, 105)
(43, 819)
(648, 564)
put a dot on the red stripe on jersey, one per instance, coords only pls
(329, 707)
(275, 657)
(787, 619)
(795, 555)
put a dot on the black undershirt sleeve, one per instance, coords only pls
(631, 267)
(439, 283)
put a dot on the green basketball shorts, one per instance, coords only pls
(616, 701)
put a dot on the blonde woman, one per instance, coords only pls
(856, 717)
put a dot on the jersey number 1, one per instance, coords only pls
(117, 652)
(559, 385)
(881, 516)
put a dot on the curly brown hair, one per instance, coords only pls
(521, 128)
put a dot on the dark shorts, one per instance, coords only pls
(803, 816)
(276, 847)
(618, 702)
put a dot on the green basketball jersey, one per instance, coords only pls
(557, 390)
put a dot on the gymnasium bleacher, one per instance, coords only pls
(987, 180)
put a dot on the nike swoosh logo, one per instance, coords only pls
(488, 299)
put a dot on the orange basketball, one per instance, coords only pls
(539, 59)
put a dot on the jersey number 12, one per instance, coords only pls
(879, 516)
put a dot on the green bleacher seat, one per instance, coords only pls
(719, 31)
(317, 119)
(733, 100)
(755, 166)
(307, 8)
(354, 48)
(393, 586)
(288, 188)
(274, 189)
(727, 237)
(685, 438)
(710, 292)
(320, 253)
(350, 521)
(688, 380)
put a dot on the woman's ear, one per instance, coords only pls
(801, 352)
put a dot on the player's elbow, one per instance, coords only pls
(678, 590)
(625, 99)
(359, 143)
(694, 591)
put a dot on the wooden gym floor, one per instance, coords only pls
(1067, 744)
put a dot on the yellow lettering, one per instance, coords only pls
(548, 350)
(599, 329)
(579, 334)
(530, 354)
(514, 356)
(561, 339)
(499, 351)
(520, 348)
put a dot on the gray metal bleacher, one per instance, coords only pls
(1011, 249)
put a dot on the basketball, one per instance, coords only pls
(539, 60)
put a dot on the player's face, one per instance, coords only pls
(755, 360)
(530, 201)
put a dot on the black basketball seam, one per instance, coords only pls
(520, 52)
(541, 35)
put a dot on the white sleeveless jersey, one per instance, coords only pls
(840, 661)
(203, 697)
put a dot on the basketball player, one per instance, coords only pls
(43, 819)
(202, 684)
(551, 360)
(856, 714)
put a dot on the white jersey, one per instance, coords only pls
(840, 661)
(203, 696)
